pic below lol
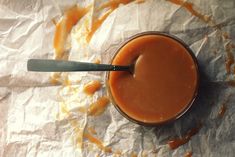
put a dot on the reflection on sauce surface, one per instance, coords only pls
(91, 87)
(98, 107)
(188, 154)
(175, 143)
(154, 96)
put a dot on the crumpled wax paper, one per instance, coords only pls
(40, 119)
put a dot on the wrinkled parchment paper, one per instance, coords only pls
(31, 121)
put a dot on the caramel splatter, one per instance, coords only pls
(133, 154)
(113, 4)
(55, 79)
(92, 130)
(188, 154)
(117, 153)
(98, 107)
(189, 6)
(222, 110)
(97, 61)
(97, 142)
(91, 87)
(226, 35)
(175, 143)
(230, 58)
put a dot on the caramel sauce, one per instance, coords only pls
(189, 7)
(226, 35)
(113, 4)
(91, 87)
(82, 109)
(97, 61)
(96, 24)
(97, 142)
(55, 79)
(54, 21)
(92, 130)
(222, 110)
(154, 96)
(230, 58)
(117, 153)
(98, 107)
(175, 143)
(133, 154)
(188, 154)
(63, 28)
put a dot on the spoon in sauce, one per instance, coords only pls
(49, 65)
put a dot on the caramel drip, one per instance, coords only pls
(91, 87)
(175, 143)
(98, 107)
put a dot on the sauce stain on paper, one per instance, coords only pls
(175, 143)
(91, 87)
(188, 154)
(98, 107)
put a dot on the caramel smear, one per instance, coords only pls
(228, 48)
(97, 142)
(96, 24)
(55, 79)
(92, 130)
(230, 58)
(189, 6)
(112, 4)
(222, 110)
(63, 28)
(97, 61)
(188, 154)
(226, 35)
(91, 87)
(133, 154)
(117, 153)
(175, 143)
(98, 107)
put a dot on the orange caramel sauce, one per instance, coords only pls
(98, 107)
(175, 143)
(91, 87)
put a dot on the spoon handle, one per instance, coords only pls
(47, 65)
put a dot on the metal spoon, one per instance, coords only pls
(47, 65)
